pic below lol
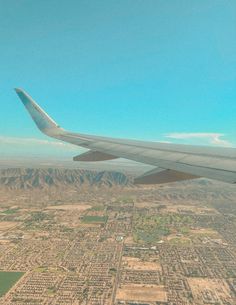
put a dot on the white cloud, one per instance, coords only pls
(34, 141)
(210, 137)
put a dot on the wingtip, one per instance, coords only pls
(39, 116)
(24, 97)
(18, 90)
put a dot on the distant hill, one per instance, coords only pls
(29, 178)
(64, 179)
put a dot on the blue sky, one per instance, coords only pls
(154, 70)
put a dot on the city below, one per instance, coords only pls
(85, 237)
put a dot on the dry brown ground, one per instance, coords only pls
(207, 231)
(6, 225)
(69, 207)
(141, 205)
(129, 240)
(194, 209)
(182, 239)
(146, 293)
(218, 287)
(134, 263)
(88, 225)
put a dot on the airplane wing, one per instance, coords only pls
(172, 162)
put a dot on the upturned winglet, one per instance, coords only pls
(39, 116)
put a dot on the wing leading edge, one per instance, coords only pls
(173, 162)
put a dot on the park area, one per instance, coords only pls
(94, 219)
(8, 280)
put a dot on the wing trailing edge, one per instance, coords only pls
(160, 175)
(94, 156)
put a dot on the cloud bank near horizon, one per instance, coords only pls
(34, 141)
(210, 138)
(17, 146)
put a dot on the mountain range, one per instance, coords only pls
(30, 178)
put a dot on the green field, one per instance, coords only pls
(7, 280)
(10, 211)
(152, 228)
(94, 219)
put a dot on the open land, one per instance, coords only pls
(143, 293)
(6, 225)
(69, 207)
(134, 263)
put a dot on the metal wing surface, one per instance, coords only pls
(173, 162)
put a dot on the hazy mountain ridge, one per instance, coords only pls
(65, 179)
(29, 178)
